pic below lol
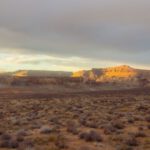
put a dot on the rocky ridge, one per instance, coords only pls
(119, 73)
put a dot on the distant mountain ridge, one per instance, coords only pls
(117, 73)
(119, 76)
(37, 73)
(23, 73)
(122, 72)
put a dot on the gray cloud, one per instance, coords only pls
(99, 29)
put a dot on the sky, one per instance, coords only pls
(74, 34)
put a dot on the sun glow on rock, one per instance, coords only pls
(123, 71)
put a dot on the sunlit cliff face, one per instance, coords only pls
(119, 72)
(22, 73)
(78, 73)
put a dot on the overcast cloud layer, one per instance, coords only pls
(74, 34)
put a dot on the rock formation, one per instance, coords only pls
(114, 74)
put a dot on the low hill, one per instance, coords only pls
(119, 76)
(38, 73)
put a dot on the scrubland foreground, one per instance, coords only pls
(106, 120)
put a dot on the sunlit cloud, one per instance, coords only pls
(17, 61)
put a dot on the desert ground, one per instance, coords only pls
(100, 120)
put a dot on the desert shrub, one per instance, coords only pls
(15, 121)
(72, 127)
(92, 124)
(41, 140)
(1, 132)
(82, 121)
(52, 147)
(5, 136)
(91, 136)
(109, 129)
(26, 145)
(131, 120)
(142, 108)
(131, 141)
(61, 142)
(54, 120)
(148, 126)
(4, 144)
(124, 147)
(118, 125)
(35, 126)
(52, 138)
(140, 128)
(117, 138)
(45, 130)
(22, 133)
(84, 148)
(20, 138)
(140, 134)
(11, 143)
(147, 118)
